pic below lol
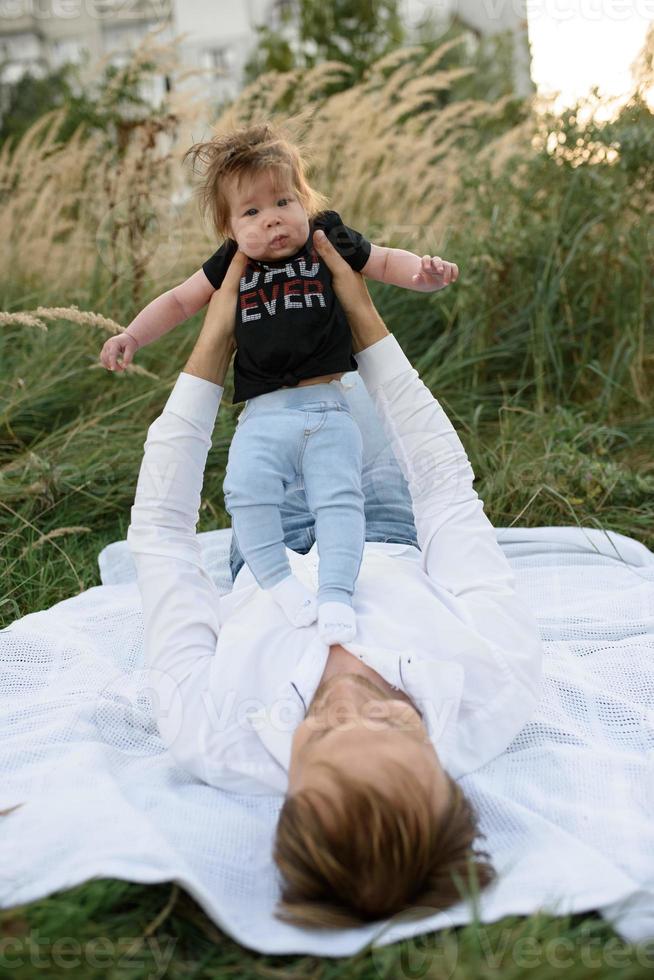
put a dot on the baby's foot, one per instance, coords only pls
(297, 601)
(336, 622)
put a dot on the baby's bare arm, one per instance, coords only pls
(157, 318)
(171, 308)
(398, 267)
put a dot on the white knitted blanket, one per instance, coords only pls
(567, 810)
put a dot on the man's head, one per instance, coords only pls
(246, 172)
(372, 824)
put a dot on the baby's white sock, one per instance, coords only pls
(337, 622)
(297, 601)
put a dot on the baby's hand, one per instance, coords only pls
(435, 273)
(123, 344)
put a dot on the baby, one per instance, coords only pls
(291, 333)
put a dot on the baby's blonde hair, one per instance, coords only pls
(249, 151)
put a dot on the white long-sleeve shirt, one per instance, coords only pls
(231, 678)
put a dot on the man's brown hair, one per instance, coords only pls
(250, 151)
(357, 854)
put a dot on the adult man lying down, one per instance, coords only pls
(365, 740)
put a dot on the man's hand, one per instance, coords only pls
(365, 322)
(220, 316)
(216, 343)
(435, 273)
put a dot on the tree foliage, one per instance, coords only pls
(357, 32)
(109, 105)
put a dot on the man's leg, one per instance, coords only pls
(388, 507)
(388, 504)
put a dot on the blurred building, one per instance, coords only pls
(218, 35)
(40, 35)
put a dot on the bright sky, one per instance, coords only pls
(576, 44)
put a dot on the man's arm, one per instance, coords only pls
(180, 601)
(447, 510)
(455, 536)
(460, 553)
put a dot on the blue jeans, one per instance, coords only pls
(387, 504)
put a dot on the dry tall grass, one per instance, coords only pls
(386, 154)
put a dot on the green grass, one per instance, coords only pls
(108, 929)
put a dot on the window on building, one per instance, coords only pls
(217, 59)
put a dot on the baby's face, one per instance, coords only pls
(258, 214)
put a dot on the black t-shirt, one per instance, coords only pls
(289, 323)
